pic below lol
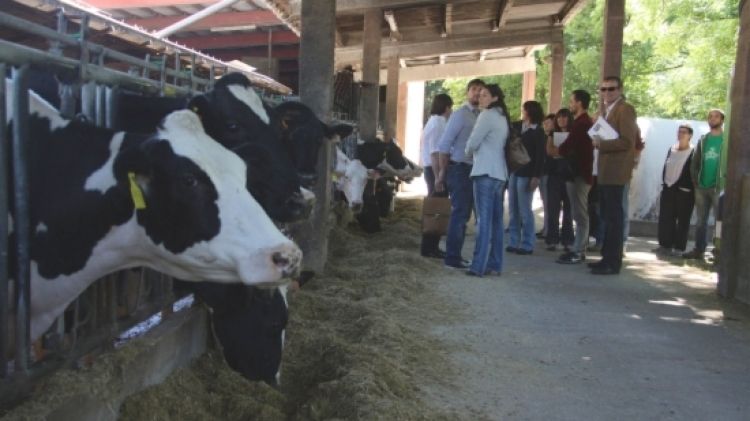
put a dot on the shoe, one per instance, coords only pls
(492, 273)
(594, 265)
(523, 252)
(571, 258)
(436, 254)
(510, 249)
(594, 247)
(604, 270)
(693, 254)
(472, 273)
(540, 234)
(676, 253)
(552, 247)
(566, 249)
(456, 265)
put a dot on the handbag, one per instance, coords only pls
(516, 155)
(436, 213)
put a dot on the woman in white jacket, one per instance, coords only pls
(489, 175)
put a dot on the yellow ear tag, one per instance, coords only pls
(136, 193)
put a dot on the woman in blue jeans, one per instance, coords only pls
(525, 180)
(488, 174)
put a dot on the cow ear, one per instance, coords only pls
(200, 105)
(340, 130)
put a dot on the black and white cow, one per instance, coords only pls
(174, 201)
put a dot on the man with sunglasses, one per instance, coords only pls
(615, 167)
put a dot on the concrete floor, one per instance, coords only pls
(549, 341)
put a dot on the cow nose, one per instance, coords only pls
(308, 179)
(356, 207)
(287, 261)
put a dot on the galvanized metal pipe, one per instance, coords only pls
(22, 221)
(195, 17)
(4, 162)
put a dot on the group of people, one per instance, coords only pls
(582, 175)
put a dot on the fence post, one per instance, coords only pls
(4, 161)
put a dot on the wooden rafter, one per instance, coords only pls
(503, 6)
(390, 17)
(568, 12)
(447, 20)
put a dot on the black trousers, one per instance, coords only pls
(593, 203)
(431, 242)
(557, 200)
(610, 198)
(675, 209)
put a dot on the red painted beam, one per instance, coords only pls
(252, 39)
(288, 52)
(254, 17)
(122, 4)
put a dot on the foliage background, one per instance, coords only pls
(677, 58)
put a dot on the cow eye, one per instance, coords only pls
(189, 180)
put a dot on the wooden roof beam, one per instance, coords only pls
(447, 20)
(569, 11)
(390, 17)
(238, 40)
(436, 46)
(503, 7)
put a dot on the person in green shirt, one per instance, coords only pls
(705, 170)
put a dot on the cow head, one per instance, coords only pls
(302, 134)
(352, 179)
(235, 116)
(195, 211)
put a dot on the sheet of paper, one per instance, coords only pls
(559, 137)
(603, 129)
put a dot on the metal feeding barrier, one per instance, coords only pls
(121, 300)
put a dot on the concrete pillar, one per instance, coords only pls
(734, 280)
(316, 91)
(403, 101)
(614, 22)
(370, 95)
(529, 86)
(556, 74)
(391, 99)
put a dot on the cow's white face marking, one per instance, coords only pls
(307, 195)
(104, 178)
(248, 97)
(352, 178)
(248, 238)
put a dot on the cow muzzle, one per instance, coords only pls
(356, 207)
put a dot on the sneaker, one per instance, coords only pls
(540, 234)
(594, 265)
(523, 252)
(460, 265)
(472, 273)
(435, 254)
(510, 249)
(571, 258)
(676, 252)
(693, 254)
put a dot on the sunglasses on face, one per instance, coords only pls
(608, 88)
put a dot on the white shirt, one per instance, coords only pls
(610, 106)
(675, 163)
(431, 134)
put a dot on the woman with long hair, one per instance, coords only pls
(489, 174)
(439, 112)
(526, 179)
(557, 196)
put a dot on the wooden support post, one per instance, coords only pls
(529, 86)
(391, 99)
(556, 78)
(370, 96)
(316, 91)
(734, 280)
(614, 23)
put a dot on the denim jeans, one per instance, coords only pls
(705, 199)
(460, 191)
(522, 234)
(488, 202)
